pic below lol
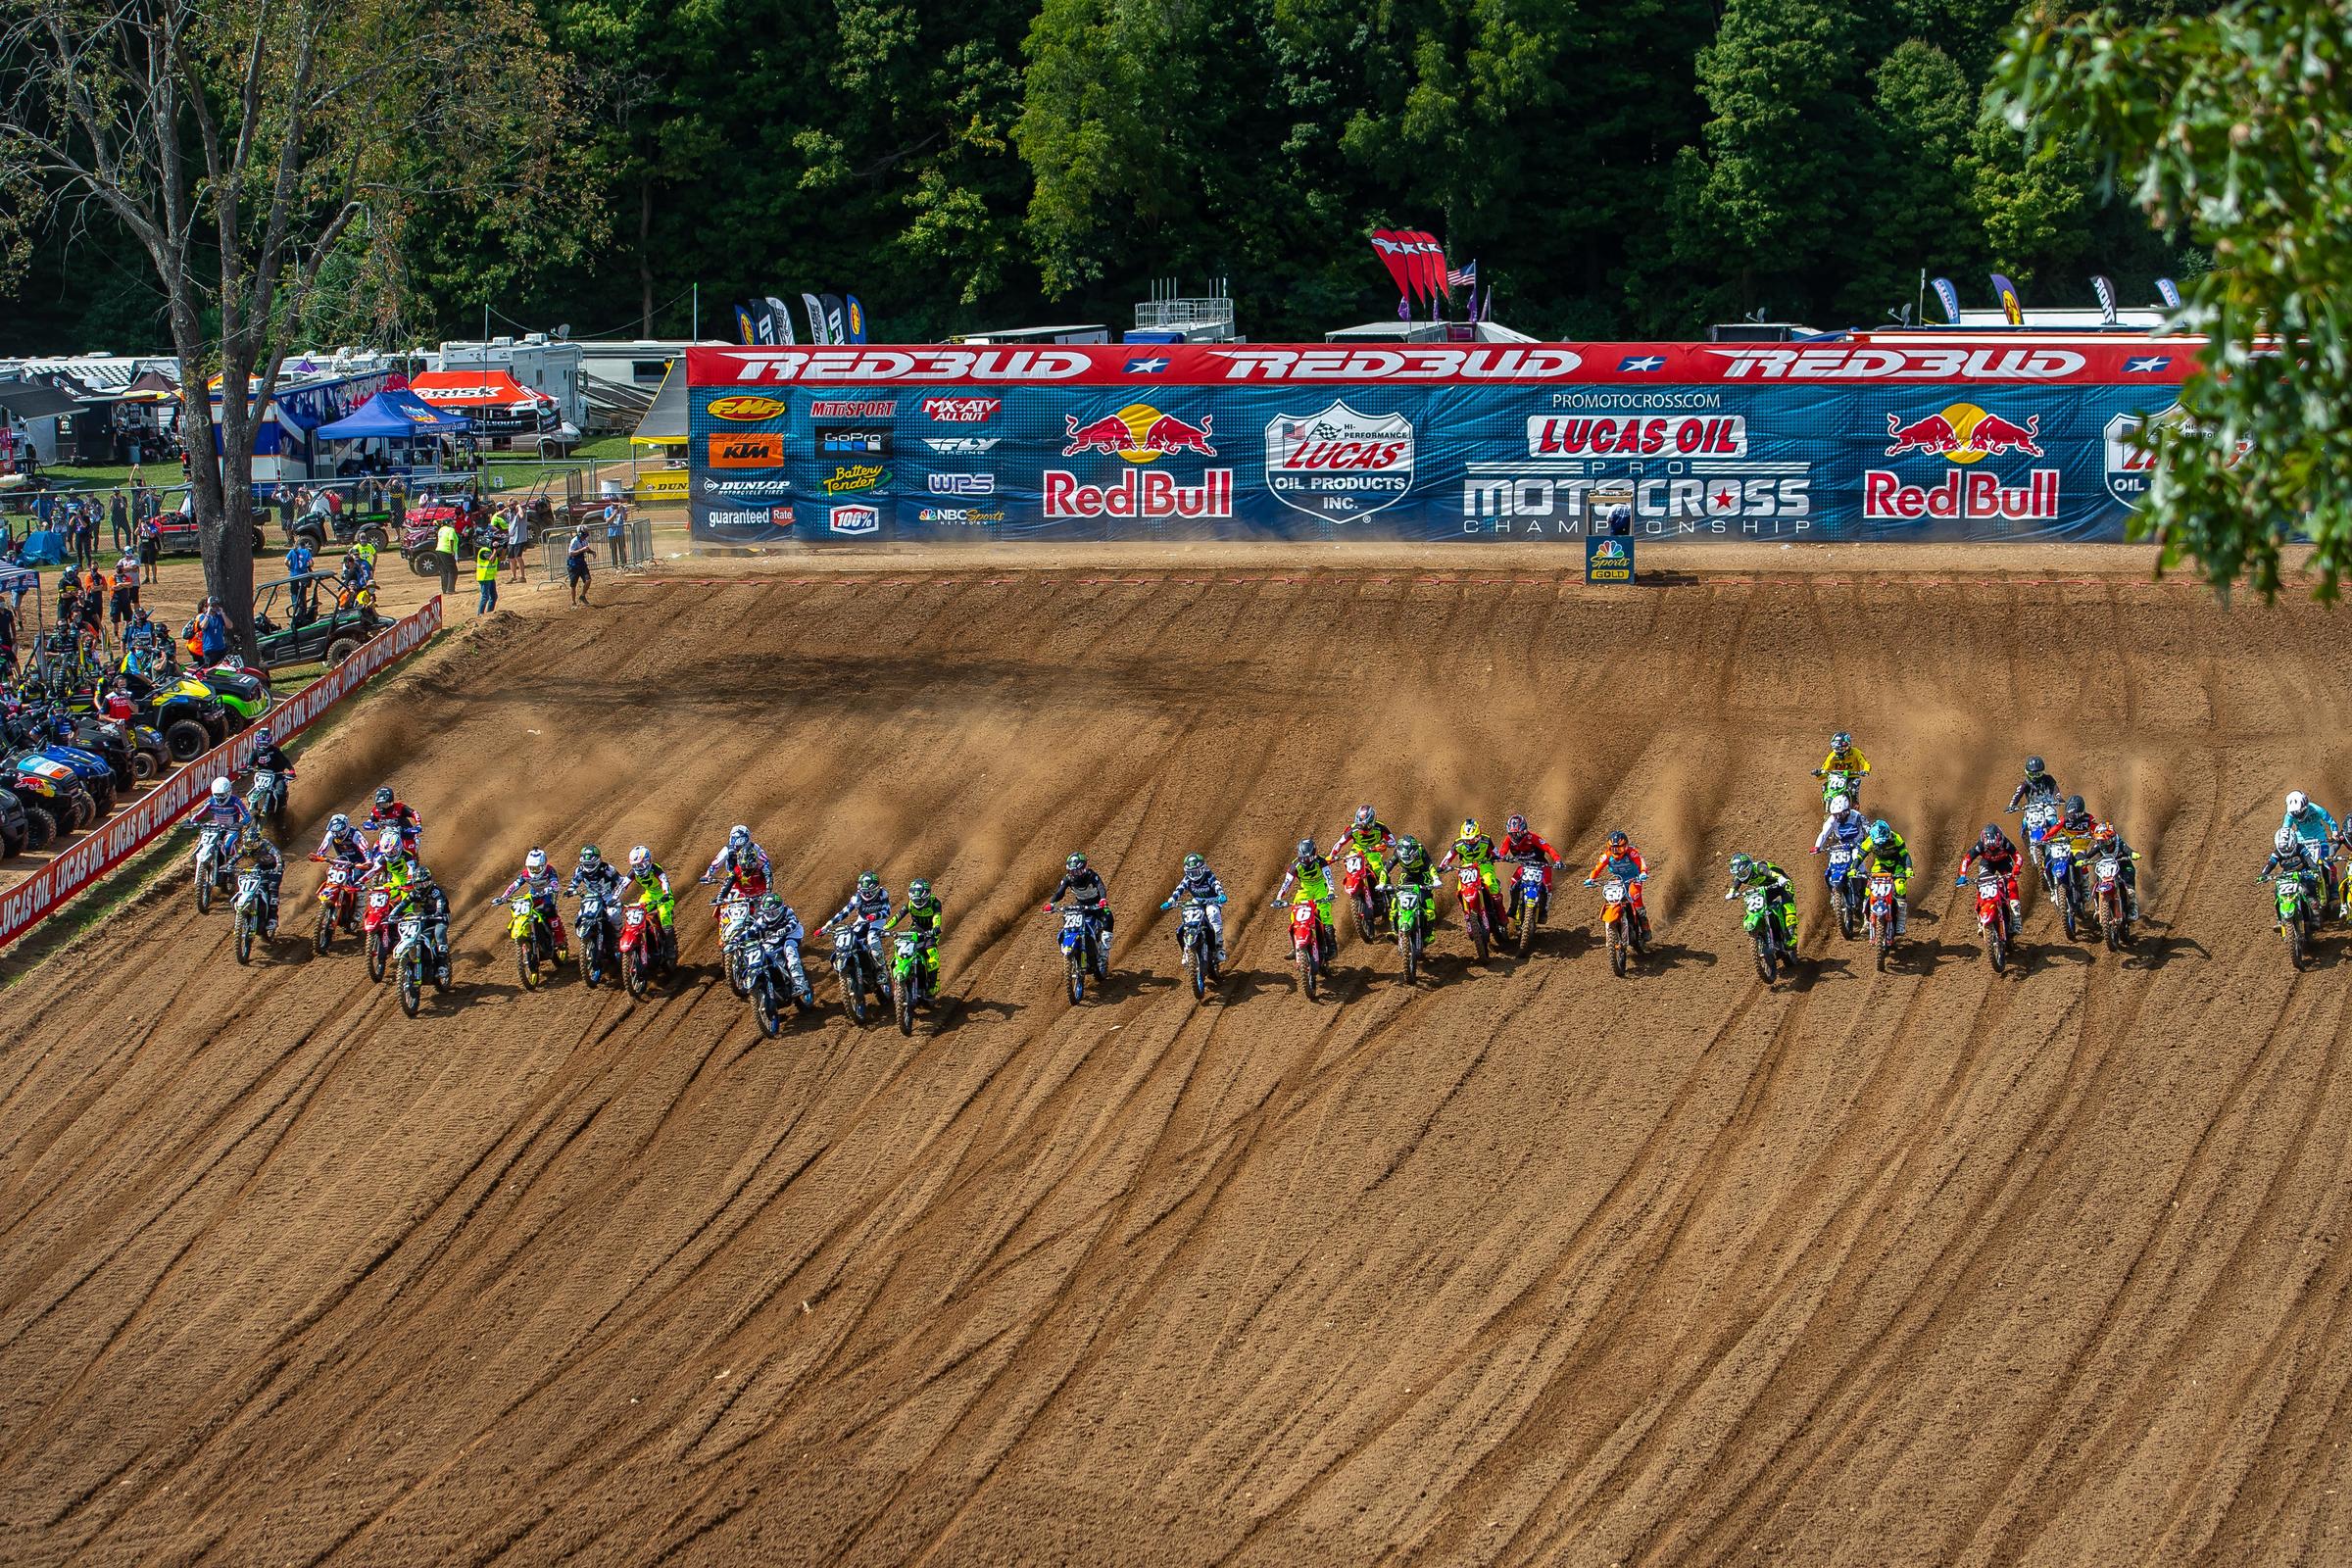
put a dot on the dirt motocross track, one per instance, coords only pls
(1529, 1265)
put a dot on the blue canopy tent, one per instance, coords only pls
(397, 415)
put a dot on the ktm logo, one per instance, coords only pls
(745, 409)
(755, 450)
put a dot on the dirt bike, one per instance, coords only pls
(1470, 888)
(1360, 881)
(733, 912)
(377, 932)
(2298, 914)
(2107, 899)
(338, 899)
(214, 873)
(1993, 917)
(1625, 929)
(2041, 816)
(2061, 869)
(1307, 944)
(1878, 916)
(1410, 901)
(1083, 949)
(265, 798)
(908, 981)
(1837, 782)
(411, 952)
(1531, 901)
(600, 955)
(534, 942)
(1776, 948)
(777, 978)
(855, 962)
(1846, 889)
(644, 951)
(1197, 940)
(251, 910)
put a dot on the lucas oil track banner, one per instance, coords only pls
(170, 802)
(1887, 437)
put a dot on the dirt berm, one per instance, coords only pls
(1529, 1265)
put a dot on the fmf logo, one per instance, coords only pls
(846, 409)
(1964, 433)
(1152, 493)
(854, 520)
(964, 485)
(1886, 498)
(1721, 435)
(745, 409)
(751, 451)
(961, 411)
(1139, 434)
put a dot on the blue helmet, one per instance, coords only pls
(1879, 832)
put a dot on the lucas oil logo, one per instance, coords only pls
(2132, 457)
(1339, 462)
(1139, 434)
(1964, 433)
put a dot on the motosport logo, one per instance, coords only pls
(961, 411)
(854, 408)
(963, 484)
(1139, 434)
(1963, 433)
(854, 520)
(764, 450)
(745, 409)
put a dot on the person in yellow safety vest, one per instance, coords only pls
(485, 577)
(445, 545)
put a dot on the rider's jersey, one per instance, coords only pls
(652, 883)
(2300, 859)
(1086, 885)
(274, 760)
(747, 872)
(2313, 826)
(1478, 851)
(1847, 830)
(785, 926)
(399, 814)
(1424, 875)
(2038, 786)
(873, 907)
(1849, 761)
(2000, 859)
(1314, 882)
(1206, 886)
(1522, 846)
(605, 879)
(343, 847)
(225, 810)
(1768, 878)
(1624, 865)
(923, 917)
(541, 887)
(1893, 856)
(1372, 843)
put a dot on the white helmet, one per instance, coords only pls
(738, 836)
(2284, 841)
(640, 858)
(388, 841)
(219, 789)
(535, 861)
(2296, 800)
(1840, 805)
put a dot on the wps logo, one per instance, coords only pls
(744, 409)
(964, 485)
(750, 451)
(961, 411)
(1139, 434)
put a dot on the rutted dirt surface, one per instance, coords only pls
(1529, 1265)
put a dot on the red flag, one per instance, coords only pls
(1433, 264)
(1438, 272)
(1390, 247)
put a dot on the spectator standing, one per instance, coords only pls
(211, 632)
(576, 563)
(151, 545)
(299, 562)
(519, 539)
(127, 571)
(84, 534)
(400, 506)
(444, 544)
(119, 517)
(616, 535)
(124, 597)
(485, 576)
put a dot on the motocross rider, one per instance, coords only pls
(1887, 852)
(222, 808)
(271, 867)
(271, 758)
(1313, 872)
(1521, 843)
(1751, 875)
(922, 914)
(1087, 888)
(392, 812)
(1199, 882)
(2309, 821)
(2292, 857)
(1369, 837)
(870, 905)
(597, 875)
(2038, 784)
(1843, 826)
(1411, 869)
(2126, 864)
(1474, 848)
(342, 844)
(1844, 759)
(1623, 862)
(745, 864)
(406, 879)
(1995, 853)
(775, 924)
(652, 891)
(538, 879)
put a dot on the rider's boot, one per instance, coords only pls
(1902, 915)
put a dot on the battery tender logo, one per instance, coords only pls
(1339, 462)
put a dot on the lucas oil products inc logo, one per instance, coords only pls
(1963, 434)
(854, 520)
(1139, 434)
(1339, 462)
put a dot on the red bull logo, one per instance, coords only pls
(1139, 494)
(1886, 498)
(1964, 433)
(1139, 434)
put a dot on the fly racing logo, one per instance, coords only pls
(960, 446)
(964, 485)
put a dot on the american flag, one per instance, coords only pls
(1461, 277)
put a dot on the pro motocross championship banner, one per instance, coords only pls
(130, 830)
(1942, 438)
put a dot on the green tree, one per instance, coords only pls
(2232, 131)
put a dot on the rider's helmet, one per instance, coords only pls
(590, 857)
(2285, 842)
(535, 861)
(1617, 838)
(338, 825)
(1193, 865)
(1841, 742)
(1306, 854)
(739, 838)
(770, 907)
(219, 789)
(2296, 800)
(1514, 824)
(1742, 868)
(1839, 805)
(1408, 849)
(384, 796)
(1365, 817)
(2035, 767)
(2106, 834)
(1469, 828)
(1879, 832)
(1992, 837)
(868, 884)
(1075, 864)
(2074, 806)
(388, 841)
(261, 737)
(918, 891)
(641, 859)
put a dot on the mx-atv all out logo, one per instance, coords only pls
(1339, 462)
(1962, 434)
(1138, 435)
